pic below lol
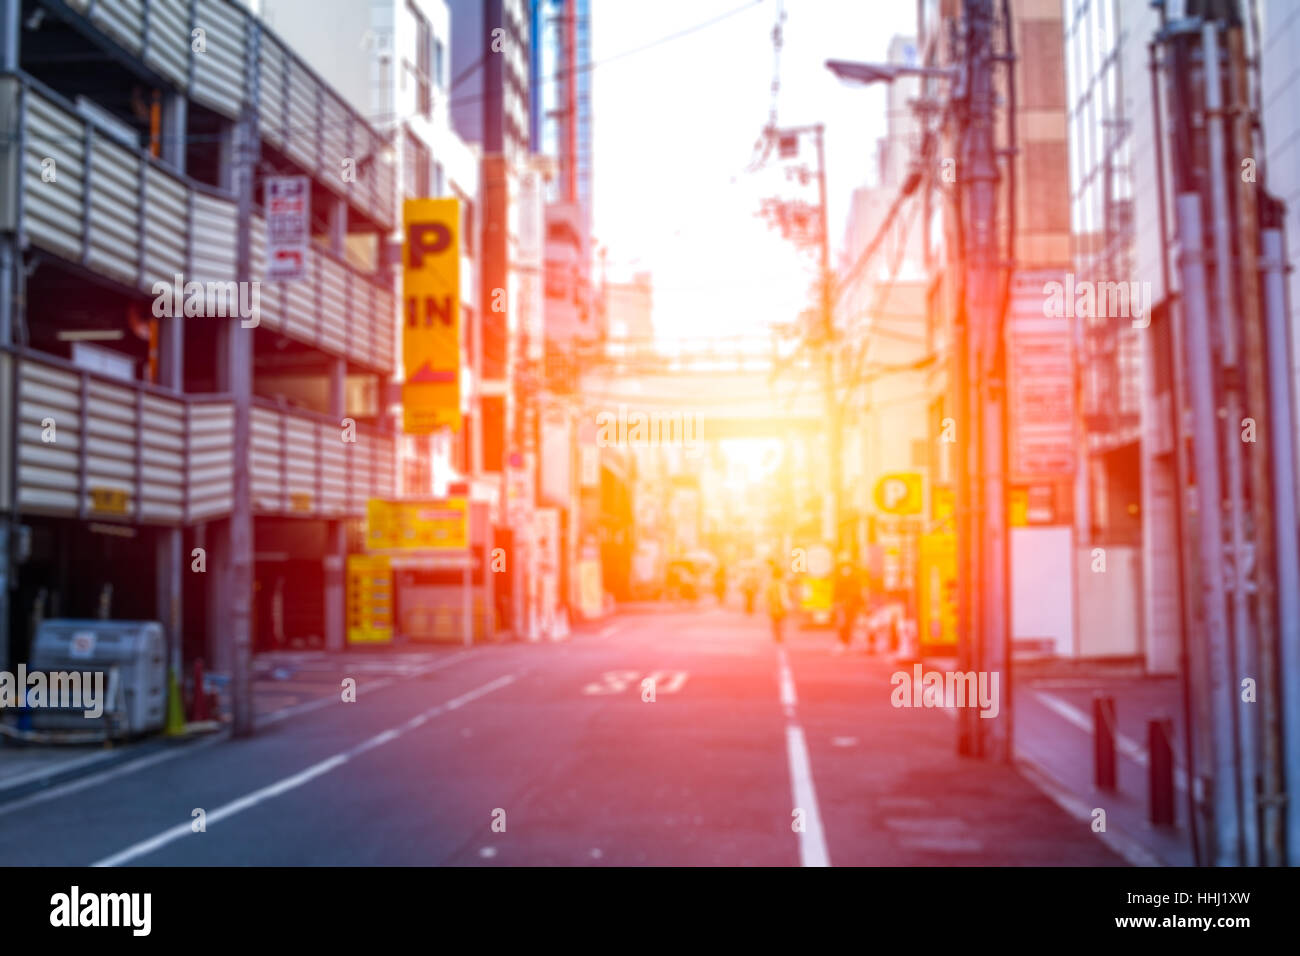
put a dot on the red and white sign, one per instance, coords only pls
(1040, 383)
(288, 226)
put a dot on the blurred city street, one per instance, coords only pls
(581, 433)
(741, 734)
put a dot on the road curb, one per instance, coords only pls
(39, 780)
(1130, 849)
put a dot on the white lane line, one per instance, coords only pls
(297, 780)
(143, 763)
(812, 839)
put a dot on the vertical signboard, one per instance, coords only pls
(937, 590)
(431, 315)
(370, 599)
(1040, 382)
(288, 226)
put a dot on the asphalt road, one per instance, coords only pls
(519, 754)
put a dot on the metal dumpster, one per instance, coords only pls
(132, 657)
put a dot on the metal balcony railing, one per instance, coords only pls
(79, 194)
(333, 308)
(91, 446)
(304, 464)
(298, 113)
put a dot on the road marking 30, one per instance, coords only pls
(615, 682)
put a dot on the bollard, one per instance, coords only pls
(1160, 770)
(1103, 741)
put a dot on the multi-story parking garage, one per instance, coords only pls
(120, 427)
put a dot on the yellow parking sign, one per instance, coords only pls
(431, 315)
(899, 493)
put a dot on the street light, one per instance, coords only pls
(885, 72)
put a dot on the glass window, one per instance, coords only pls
(423, 65)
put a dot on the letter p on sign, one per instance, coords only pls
(899, 494)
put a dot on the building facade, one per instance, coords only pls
(175, 408)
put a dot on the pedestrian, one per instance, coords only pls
(778, 603)
(847, 599)
(749, 587)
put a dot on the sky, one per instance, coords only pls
(674, 128)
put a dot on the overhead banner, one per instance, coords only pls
(431, 315)
(429, 525)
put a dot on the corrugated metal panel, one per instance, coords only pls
(168, 48)
(213, 236)
(303, 125)
(335, 314)
(123, 20)
(373, 469)
(270, 116)
(334, 143)
(300, 464)
(53, 210)
(110, 437)
(219, 71)
(300, 309)
(333, 470)
(123, 425)
(114, 210)
(265, 460)
(47, 471)
(164, 231)
(162, 463)
(211, 454)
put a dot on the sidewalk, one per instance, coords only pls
(894, 790)
(1054, 739)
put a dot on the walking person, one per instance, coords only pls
(778, 601)
(847, 599)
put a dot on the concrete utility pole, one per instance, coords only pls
(239, 355)
(1235, 356)
(834, 410)
(1243, 640)
(988, 584)
(826, 334)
